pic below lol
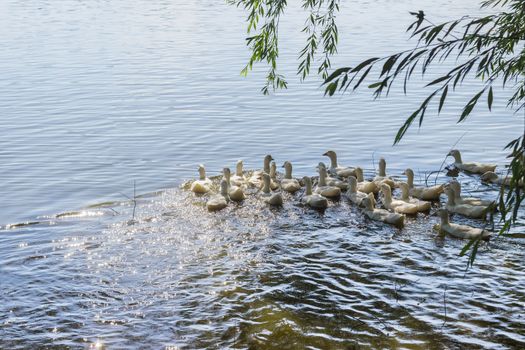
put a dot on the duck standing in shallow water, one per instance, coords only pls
(422, 206)
(381, 214)
(396, 205)
(337, 170)
(459, 231)
(365, 186)
(456, 187)
(289, 184)
(203, 184)
(219, 201)
(471, 211)
(314, 200)
(381, 177)
(274, 199)
(323, 188)
(473, 167)
(238, 179)
(425, 193)
(235, 192)
(353, 194)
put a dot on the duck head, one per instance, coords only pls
(456, 154)
(410, 177)
(226, 172)
(333, 158)
(202, 172)
(287, 170)
(267, 159)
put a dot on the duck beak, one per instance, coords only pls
(325, 154)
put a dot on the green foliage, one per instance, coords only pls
(263, 38)
(488, 48)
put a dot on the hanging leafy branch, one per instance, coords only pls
(263, 38)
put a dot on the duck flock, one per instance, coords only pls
(337, 181)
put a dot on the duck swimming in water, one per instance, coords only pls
(471, 211)
(365, 186)
(381, 214)
(289, 184)
(396, 205)
(459, 231)
(314, 200)
(323, 188)
(273, 199)
(335, 169)
(425, 193)
(472, 167)
(235, 192)
(238, 179)
(353, 194)
(332, 181)
(256, 179)
(203, 184)
(219, 201)
(422, 206)
(456, 187)
(381, 175)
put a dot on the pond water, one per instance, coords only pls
(98, 96)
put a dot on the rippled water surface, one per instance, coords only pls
(96, 96)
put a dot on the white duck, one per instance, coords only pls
(425, 193)
(322, 187)
(382, 214)
(335, 168)
(203, 185)
(365, 186)
(382, 177)
(422, 206)
(397, 205)
(289, 184)
(238, 179)
(467, 210)
(459, 231)
(274, 183)
(235, 192)
(275, 198)
(353, 194)
(219, 201)
(456, 187)
(473, 167)
(256, 179)
(314, 200)
(492, 177)
(332, 181)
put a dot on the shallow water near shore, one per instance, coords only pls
(97, 97)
